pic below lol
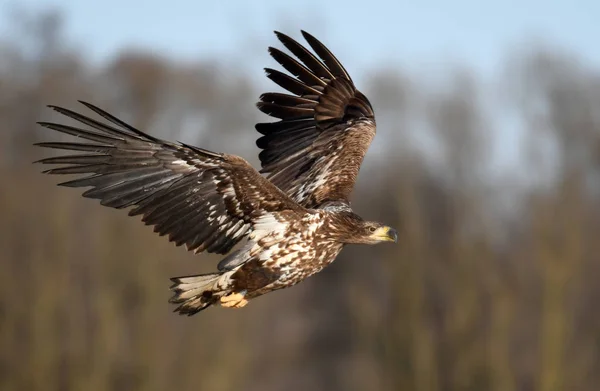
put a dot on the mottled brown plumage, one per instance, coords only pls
(289, 225)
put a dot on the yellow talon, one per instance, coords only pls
(234, 300)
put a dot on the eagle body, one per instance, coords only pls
(290, 219)
(278, 261)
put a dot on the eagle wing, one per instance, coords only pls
(315, 151)
(205, 200)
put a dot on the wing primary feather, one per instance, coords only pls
(278, 111)
(287, 100)
(279, 127)
(325, 54)
(86, 134)
(295, 68)
(130, 188)
(309, 59)
(75, 159)
(289, 83)
(287, 151)
(275, 140)
(92, 122)
(119, 122)
(103, 180)
(76, 147)
(86, 169)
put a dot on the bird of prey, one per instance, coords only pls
(289, 223)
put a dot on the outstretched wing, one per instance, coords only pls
(315, 151)
(205, 200)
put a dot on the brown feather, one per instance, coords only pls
(205, 200)
(315, 151)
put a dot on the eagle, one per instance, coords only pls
(290, 219)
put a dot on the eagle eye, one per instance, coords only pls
(371, 229)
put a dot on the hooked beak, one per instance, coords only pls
(386, 234)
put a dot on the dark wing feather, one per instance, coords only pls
(315, 151)
(205, 200)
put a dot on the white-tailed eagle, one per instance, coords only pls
(291, 223)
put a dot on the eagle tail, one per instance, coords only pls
(196, 293)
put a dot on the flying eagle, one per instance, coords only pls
(291, 223)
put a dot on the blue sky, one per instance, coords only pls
(411, 33)
(422, 36)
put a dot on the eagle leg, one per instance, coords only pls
(234, 300)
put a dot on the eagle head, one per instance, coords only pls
(374, 232)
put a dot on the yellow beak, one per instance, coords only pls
(386, 234)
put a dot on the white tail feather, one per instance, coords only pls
(195, 293)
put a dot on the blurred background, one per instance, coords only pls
(487, 160)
